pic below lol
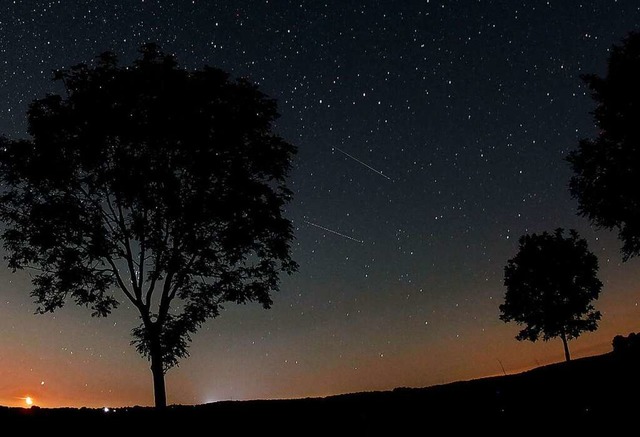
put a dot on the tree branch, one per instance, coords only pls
(166, 299)
(121, 283)
(107, 218)
(129, 253)
(142, 254)
(179, 281)
(38, 269)
(156, 271)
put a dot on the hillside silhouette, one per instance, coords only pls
(582, 395)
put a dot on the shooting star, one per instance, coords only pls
(360, 162)
(334, 232)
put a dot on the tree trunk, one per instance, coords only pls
(567, 355)
(157, 369)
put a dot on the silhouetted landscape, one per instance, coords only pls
(576, 395)
(366, 168)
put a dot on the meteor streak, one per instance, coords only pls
(366, 165)
(334, 232)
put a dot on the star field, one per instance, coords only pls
(431, 135)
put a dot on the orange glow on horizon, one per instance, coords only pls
(420, 355)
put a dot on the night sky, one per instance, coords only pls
(431, 136)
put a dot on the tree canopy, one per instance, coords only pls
(551, 283)
(153, 184)
(607, 168)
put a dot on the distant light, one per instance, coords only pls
(106, 409)
(28, 400)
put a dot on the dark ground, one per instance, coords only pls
(584, 396)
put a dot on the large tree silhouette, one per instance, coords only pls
(152, 184)
(551, 283)
(607, 168)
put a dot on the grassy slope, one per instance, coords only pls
(582, 395)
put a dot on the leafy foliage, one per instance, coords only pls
(153, 183)
(174, 340)
(551, 283)
(607, 168)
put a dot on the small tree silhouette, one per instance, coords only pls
(607, 168)
(551, 283)
(626, 346)
(154, 184)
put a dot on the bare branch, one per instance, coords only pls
(185, 273)
(38, 269)
(142, 254)
(156, 273)
(129, 253)
(107, 219)
(122, 285)
(165, 300)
